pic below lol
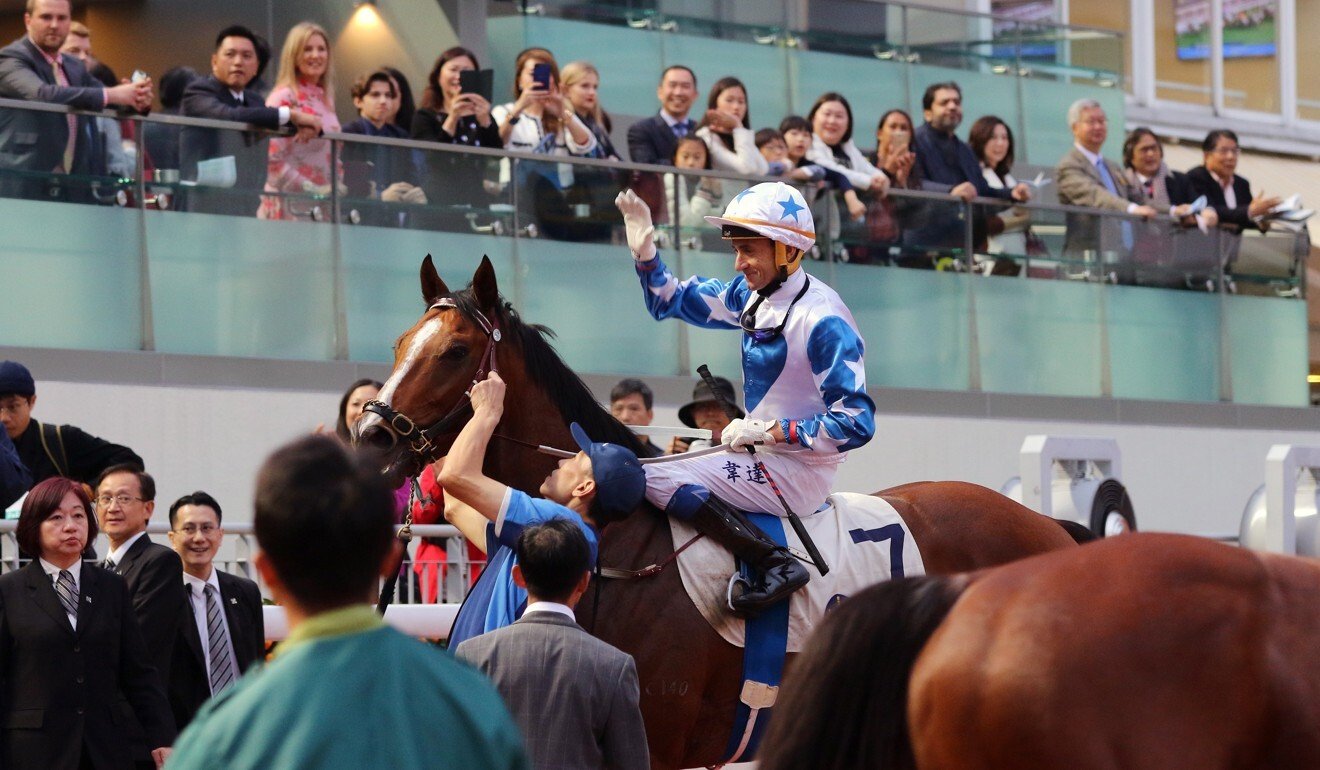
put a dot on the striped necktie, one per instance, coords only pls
(67, 590)
(222, 657)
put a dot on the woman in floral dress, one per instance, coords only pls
(300, 167)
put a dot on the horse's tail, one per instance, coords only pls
(844, 704)
(1080, 534)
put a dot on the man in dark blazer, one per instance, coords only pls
(224, 95)
(652, 140)
(207, 661)
(33, 69)
(69, 682)
(1227, 193)
(125, 500)
(574, 697)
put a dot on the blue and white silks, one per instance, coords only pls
(811, 378)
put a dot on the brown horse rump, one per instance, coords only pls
(862, 538)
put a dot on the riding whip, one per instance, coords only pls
(732, 413)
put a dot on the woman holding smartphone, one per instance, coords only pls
(449, 116)
(541, 119)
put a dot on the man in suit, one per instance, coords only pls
(1229, 194)
(1085, 178)
(125, 500)
(225, 96)
(33, 69)
(225, 633)
(653, 139)
(574, 697)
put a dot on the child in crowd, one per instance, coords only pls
(795, 135)
(692, 153)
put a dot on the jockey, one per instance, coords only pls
(804, 381)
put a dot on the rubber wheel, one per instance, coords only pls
(1111, 510)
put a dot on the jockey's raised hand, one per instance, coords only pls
(488, 396)
(637, 225)
(746, 432)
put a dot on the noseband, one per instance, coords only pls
(422, 442)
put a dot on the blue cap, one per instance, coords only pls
(15, 378)
(620, 478)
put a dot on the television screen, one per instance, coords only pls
(1248, 28)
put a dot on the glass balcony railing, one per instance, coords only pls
(953, 295)
(880, 55)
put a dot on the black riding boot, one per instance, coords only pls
(778, 572)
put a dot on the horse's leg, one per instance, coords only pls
(960, 527)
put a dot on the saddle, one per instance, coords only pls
(862, 538)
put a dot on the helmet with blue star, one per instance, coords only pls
(771, 210)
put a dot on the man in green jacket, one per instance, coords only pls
(344, 690)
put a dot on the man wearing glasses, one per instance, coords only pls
(804, 382)
(52, 450)
(225, 633)
(125, 499)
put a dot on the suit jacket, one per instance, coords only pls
(209, 98)
(35, 141)
(190, 681)
(574, 696)
(63, 692)
(1205, 184)
(154, 575)
(651, 140)
(1080, 184)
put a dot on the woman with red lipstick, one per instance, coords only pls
(73, 666)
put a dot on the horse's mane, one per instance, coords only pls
(549, 372)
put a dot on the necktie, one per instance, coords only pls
(1105, 177)
(110, 565)
(682, 127)
(68, 593)
(72, 120)
(222, 658)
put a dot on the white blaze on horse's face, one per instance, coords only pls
(420, 338)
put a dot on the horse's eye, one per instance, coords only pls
(456, 353)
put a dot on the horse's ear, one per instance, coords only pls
(484, 287)
(432, 287)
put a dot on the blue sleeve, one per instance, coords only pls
(703, 302)
(525, 511)
(14, 476)
(836, 180)
(848, 422)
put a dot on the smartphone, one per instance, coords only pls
(138, 76)
(541, 76)
(898, 141)
(480, 82)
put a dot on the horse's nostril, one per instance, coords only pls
(376, 437)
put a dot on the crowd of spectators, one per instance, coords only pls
(556, 111)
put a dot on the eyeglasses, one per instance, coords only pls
(1228, 151)
(104, 500)
(191, 529)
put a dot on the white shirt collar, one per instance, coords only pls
(1220, 180)
(670, 120)
(196, 585)
(116, 555)
(562, 609)
(54, 572)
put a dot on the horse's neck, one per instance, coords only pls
(531, 416)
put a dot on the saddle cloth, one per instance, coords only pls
(863, 541)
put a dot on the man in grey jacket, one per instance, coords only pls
(574, 697)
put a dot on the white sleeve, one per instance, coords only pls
(821, 155)
(573, 147)
(744, 158)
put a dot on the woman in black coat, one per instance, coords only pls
(74, 670)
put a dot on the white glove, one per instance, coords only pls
(741, 433)
(637, 225)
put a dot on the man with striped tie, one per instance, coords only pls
(224, 634)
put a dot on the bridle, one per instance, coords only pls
(422, 441)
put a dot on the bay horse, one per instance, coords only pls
(690, 677)
(1149, 651)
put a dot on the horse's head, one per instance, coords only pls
(424, 403)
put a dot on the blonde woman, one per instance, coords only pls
(300, 165)
(580, 81)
